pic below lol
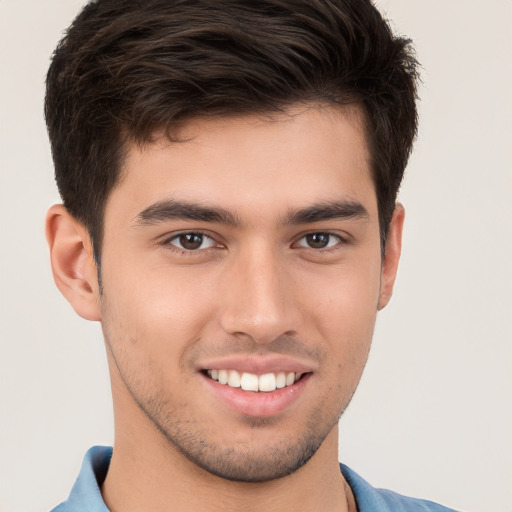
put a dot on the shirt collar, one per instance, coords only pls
(85, 495)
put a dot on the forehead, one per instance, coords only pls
(307, 154)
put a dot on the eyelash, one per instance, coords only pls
(168, 242)
(340, 241)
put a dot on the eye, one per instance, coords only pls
(191, 241)
(319, 240)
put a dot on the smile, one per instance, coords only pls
(267, 382)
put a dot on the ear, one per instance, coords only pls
(391, 256)
(74, 269)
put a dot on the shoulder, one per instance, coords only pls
(371, 499)
(60, 508)
(394, 500)
(85, 495)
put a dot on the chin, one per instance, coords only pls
(264, 464)
(254, 459)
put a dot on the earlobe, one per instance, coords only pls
(73, 265)
(392, 256)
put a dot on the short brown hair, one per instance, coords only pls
(128, 68)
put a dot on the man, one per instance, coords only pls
(229, 173)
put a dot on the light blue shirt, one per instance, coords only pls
(86, 495)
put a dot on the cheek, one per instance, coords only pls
(343, 310)
(344, 299)
(153, 314)
(158, 292)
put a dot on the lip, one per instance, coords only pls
(258, 365)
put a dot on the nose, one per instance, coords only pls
(258, 298)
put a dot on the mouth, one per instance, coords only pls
(258, 393)
(263, 383)
(258, 385)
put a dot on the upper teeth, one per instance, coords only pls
(252, 382)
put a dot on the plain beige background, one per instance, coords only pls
(432, 417)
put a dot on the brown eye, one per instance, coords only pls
(318, 240)
(192, 241)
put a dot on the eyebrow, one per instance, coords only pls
(346, 209)
(171, 209)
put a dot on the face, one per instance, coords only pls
(241, 274)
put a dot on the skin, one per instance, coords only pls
(253, 287)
